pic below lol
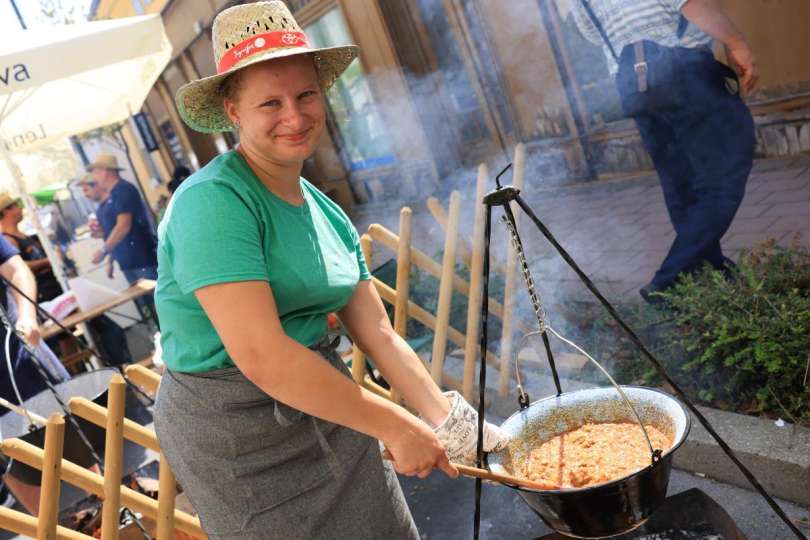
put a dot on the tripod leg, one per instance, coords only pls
(482, 374)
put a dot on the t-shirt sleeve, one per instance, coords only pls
(128, 201)
(7, 250)
(213, 237)
(358, 250)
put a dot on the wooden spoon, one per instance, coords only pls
(484, 474)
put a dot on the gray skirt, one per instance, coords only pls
(255, 468)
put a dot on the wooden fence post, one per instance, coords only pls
(167, 492)
(113, 458)
(445, 290)
(358, 357)
(51, 476)
(403, 280)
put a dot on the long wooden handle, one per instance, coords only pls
(475, 472)
(484, 474)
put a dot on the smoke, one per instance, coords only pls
(453, 117)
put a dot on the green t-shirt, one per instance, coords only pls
(223, 225)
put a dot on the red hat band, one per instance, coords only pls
(282, 39)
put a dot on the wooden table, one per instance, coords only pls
(140, 288)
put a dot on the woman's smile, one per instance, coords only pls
(295, 138)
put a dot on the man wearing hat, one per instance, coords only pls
(128, 237)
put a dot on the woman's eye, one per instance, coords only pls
(308, 94)
(271, 103)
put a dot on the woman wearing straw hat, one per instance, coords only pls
(257, 414)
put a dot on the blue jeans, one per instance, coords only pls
(703, 154)
(146, 303)
(143, 272)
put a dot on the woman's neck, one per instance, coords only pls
(282, 181)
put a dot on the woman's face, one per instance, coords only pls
(279, 109)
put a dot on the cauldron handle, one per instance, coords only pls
(523, 397)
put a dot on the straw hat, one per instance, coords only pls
(104, 161)
(245, 35)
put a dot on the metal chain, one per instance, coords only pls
(527, 276)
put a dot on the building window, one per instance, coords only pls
(175, 147)
(366, 141)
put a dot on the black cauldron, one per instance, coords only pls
(606, 509)
(92, 386)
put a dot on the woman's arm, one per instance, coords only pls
(367, 322)
(246, 319)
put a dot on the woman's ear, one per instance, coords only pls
(231, 111)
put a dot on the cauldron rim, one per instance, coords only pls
(675, 445)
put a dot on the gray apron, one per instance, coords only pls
(255, 468)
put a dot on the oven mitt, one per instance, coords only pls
(458, 433)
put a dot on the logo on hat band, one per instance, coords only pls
(258, 43)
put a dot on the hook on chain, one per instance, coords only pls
(498, 177)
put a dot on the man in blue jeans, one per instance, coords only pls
(703, 151)
(128, 236)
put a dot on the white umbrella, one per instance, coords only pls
(58, 81)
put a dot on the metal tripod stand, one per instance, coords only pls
(503, 196)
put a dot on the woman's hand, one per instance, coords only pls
(458, 433)
(416, 450)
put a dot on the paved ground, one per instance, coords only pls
(619, 231)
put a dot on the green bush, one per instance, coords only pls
(746, 337)
(739, 342)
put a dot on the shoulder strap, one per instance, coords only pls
(599, 28)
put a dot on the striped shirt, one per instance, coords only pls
(628, 21)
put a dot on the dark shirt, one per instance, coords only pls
(31, 249)
(137, 249)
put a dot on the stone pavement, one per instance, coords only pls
(619, 231)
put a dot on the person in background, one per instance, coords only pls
(109, 337)
(703, 149)
(128, 237)
(181, 172)
(95, 192)
(19, 378)
(30, 248)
